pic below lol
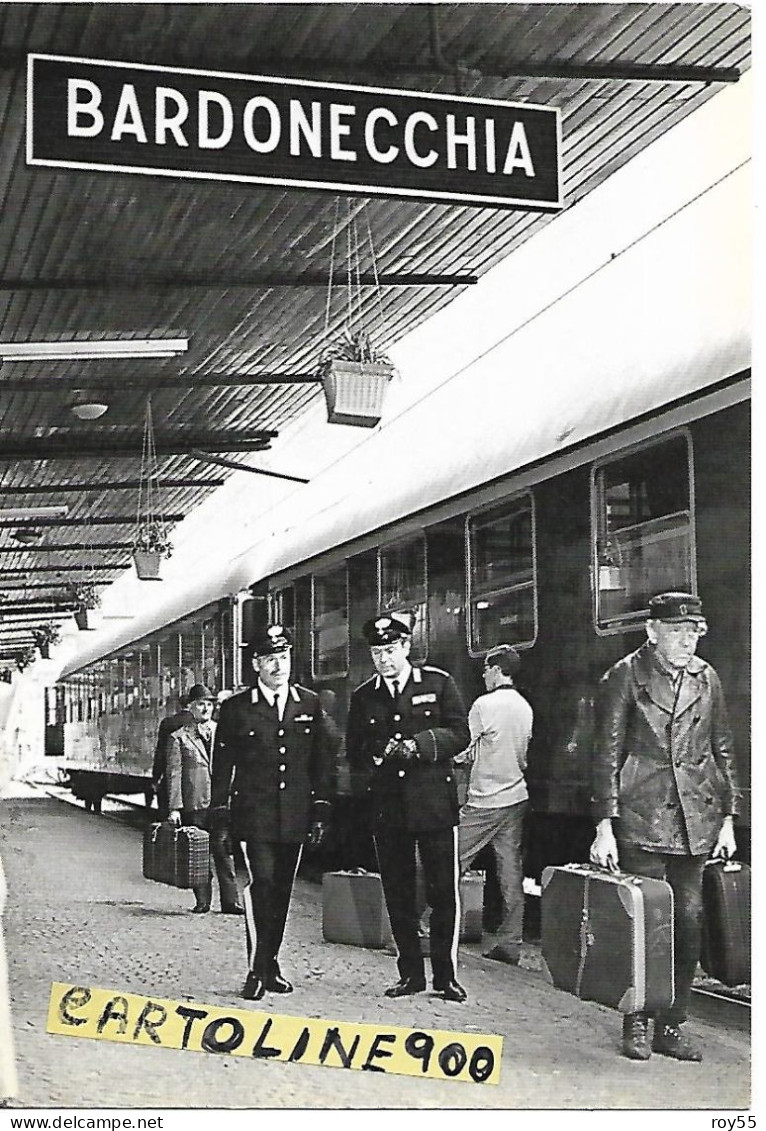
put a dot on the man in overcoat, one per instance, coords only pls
(188, 769)
(404, 727)
(273, 774)
(665, 791)
(160, 764)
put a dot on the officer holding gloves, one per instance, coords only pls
(273, 773)
(404, 727)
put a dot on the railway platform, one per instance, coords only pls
(79, 911)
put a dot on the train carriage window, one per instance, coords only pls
(191, 657)
(643, 530)
(282, 606)
(502, 602)
(402, 587)
(330, 623)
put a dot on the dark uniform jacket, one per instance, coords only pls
(663, 767)
(418, 795)
(280, 770)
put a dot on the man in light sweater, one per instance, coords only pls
(500, 722)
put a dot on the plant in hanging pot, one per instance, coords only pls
(86, 599)
(354, 377)
(44, 636)
(151, 545)
(25, 658)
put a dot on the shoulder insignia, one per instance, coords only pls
(439, 671)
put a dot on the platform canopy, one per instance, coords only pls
(248, 279)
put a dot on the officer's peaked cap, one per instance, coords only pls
(675, 607)
(386, 629)
(270, 640)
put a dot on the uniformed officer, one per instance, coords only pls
(404, 727)
(273, 767)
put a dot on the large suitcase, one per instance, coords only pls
(726, 921)
(354, 910)
(608, 937)
(179, 856)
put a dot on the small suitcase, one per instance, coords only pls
(179, 856)
(608, 937)
(726, 921)
(354, 910)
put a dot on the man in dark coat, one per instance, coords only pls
(663, 773)
(189, 762)
(273, 769)
(404, 727)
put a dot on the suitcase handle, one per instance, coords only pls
(726, 863)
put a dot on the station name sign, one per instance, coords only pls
(174, 122)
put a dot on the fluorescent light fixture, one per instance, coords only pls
(89, 410)
(34, 512)
(93, 350)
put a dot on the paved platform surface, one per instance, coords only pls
(80, 911)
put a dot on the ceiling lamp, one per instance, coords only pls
(34, 512)
(93, 350)
(89, 410)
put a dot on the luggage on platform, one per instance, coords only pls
(179, 856)
(608, 936)
(354, 910)
(726, 921)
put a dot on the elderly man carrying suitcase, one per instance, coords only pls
(663, 774)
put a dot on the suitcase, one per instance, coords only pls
(726, 921)
(608, 936)
(179, 856)
(354, 910)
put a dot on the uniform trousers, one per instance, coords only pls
(222, 859)
(396, 850)
(502, 828)
(271, 868)
(684, 874)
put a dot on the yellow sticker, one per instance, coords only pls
(134, 1019)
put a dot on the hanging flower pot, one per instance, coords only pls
(44, 636)
(354, 379)
(152, 539)
(85, 619)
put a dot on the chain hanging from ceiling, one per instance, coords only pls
(152, 537)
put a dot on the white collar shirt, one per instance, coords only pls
(279, 696)
(400, 681)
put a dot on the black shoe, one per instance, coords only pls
(500, 954)
(405, 987)
(451, 991)
(254, 987)
(635, 1036)
(670, 1041)
(201, 909)
(279, 985)
(235, 909)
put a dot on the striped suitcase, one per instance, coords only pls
(608, 936)
(726, 921)
(176, 856)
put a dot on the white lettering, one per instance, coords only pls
(383, 156)
(208, 98)
(89, 107)
(310, 131)
(339, 130)
(127, 119)
(420, 117)
(270, 143)
(518, 155)
(468, 139)
(167, 100)
(489, 145)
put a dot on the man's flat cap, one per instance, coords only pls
(270, 640)
(386, 629)
(675, 607)
(199, 691)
